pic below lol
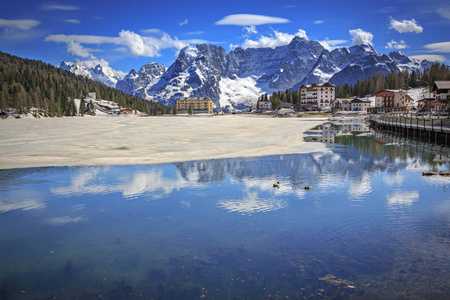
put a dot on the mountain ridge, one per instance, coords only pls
(235, 80)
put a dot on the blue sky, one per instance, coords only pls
(128, 34)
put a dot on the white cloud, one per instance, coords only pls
(249, 19)
(19, 24)
(195, 33)
(249, 30)
(331, 44)
(78, 50)
(444, 12)
(64, 220)
(73, 21)
(405, 26)
(430, 57)
(152, 31)
(82, 39)
(396, 45)
(183, 22)
(318, 22)
(51, 6)
(273, 41)
(360, 36)
(136, 44)
(233, 46)
(439, 47)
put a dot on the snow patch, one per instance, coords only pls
(239, 91)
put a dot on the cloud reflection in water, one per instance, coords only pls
(251, 204)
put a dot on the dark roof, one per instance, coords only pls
(441, 85)
(357, 100)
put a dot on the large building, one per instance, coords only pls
(317, 96)
(199, 105)
(392, 101)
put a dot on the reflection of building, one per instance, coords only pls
(198, 104)
(392, 101)
(316, 95)
(327, 132)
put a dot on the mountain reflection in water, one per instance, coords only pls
(370, 227)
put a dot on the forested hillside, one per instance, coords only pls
(27, 84)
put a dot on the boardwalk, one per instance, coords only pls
(433, 124)
(432, 130)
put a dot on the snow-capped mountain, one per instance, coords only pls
(100, 72)
(237, 79)
(137, 83)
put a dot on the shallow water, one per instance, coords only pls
(371, 227)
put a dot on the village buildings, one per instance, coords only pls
(317, 96)
(198, 105)
(392, 101)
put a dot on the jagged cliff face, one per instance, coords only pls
(237, 79)
(137, 83)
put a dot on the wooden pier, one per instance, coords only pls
(433, 130)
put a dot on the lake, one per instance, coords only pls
(370, 227)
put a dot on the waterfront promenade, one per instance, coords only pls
(432, 129)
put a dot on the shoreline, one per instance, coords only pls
(50, 142)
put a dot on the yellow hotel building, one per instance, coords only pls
(199, 104)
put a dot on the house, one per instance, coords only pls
(286, 105)
(91, 96)
(359, 105)
(342, 104)
(317, 95)
(265, 105)
(441, 90)
(428, 102)
(392, 101)
(198, 104)
(126, 111)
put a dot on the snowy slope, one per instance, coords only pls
(99, 71)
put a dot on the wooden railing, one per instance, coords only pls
(438, 123)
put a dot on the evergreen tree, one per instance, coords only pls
(91, 108)
(191, 109)
(82, 106)
(175, 110)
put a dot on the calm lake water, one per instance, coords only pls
(371, 227)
